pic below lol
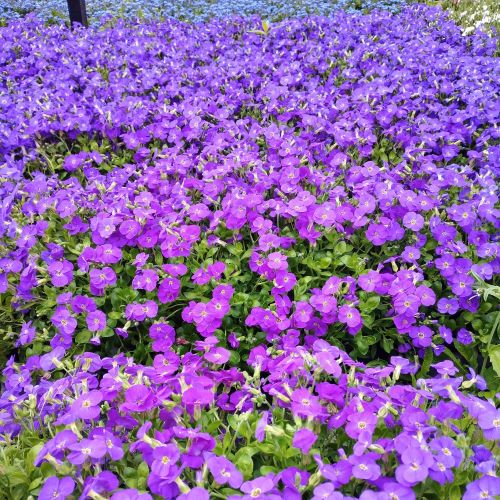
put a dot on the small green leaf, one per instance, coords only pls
(494, 354)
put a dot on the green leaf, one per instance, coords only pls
(245, 464)
(16, 476)
(494, 355)
(426, 364)
(35, 483)
(387, 344)
(370, 304)
(30, 457)
(83, 337)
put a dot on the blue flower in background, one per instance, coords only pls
(193, 10)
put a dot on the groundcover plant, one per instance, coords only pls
(192, 10)
(249, 260)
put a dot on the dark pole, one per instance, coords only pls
(77, 12)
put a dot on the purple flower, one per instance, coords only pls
(365, 467)
(197, 396)
(413, 221)
(447, 306)
(486, 488)
(257, 488)
(52, 359)
(350, 316)
(360, 422)
(101, 278)
(61, 273)
(260, 428)
(421, 336)
(489, 422)
(169, 290)
(277, 261)
(218, 355)
(407, 304)
(164, 457)
(398, 491)
(304, 439)
(464, 336)
(138, 398)
(304, 404)
(56, 489)
(224, 471)
(415, 466)
(26, 335)
(96, 321)
(326, 491)
(87, 406)
(86, 449)
(145, 280)
(196, 493)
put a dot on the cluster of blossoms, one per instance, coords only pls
(192, 10)
(244, 260)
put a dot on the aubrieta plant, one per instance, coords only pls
(251, 260)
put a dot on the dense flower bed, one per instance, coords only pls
(193, 10)
(473, 15)
(248, 260)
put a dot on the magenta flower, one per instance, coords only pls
(277, 261)
(196, 493)
(138, 398)
(304, 404)
(285, 281)
(197, 396)
(145, 280)
(350, 316)
(218, 355)
(304, 439)
(169, 290)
